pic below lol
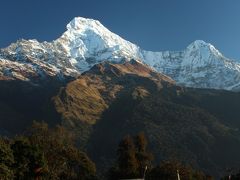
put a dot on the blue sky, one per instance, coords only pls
(152, 24)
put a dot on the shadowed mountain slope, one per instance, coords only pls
(111, 100)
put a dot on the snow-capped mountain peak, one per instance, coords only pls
(198, 44)
(88, 38)
(87, 42)
(203, 48)
(79, 23)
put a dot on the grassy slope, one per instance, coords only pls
(180, 123)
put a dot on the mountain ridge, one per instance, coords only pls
(87, 42)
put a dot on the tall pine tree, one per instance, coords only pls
(143, 157)
(127, 162)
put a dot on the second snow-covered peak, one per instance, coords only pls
(203, 48)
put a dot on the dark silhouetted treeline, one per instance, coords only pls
(43, 153)
(135, 161)
(50, 153)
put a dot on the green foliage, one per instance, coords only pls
(127, 162)
(132, 158)
(80, 166)
(6, 160)
(44, 153)
(144, 158)
(64, 160)
(29, 159)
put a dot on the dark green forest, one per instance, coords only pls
(51, 153)
(43, 153)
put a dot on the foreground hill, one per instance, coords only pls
(197, 126)
(112, 100)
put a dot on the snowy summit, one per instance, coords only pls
(87, 42)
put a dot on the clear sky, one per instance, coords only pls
(152, 24)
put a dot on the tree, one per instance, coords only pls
(54, 143)
(64, 160)
(78, 166)
(144, 158)
(132, 158)
(127, 162)
(6, 160)
(29, 159)
(43, 153)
